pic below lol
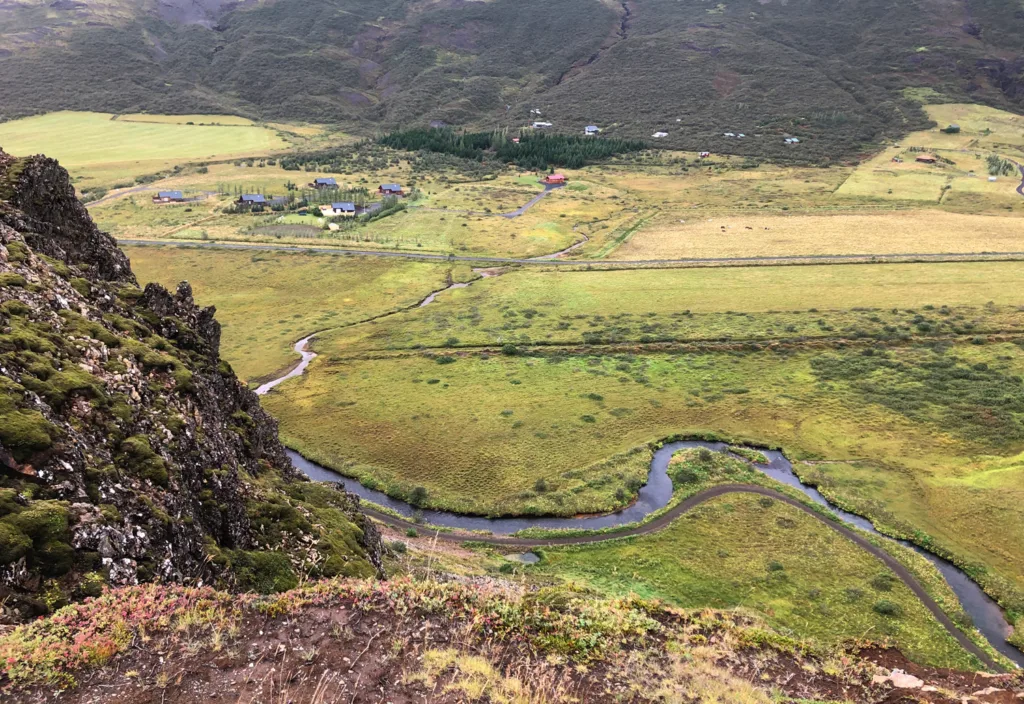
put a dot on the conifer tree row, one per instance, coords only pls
(533, 151)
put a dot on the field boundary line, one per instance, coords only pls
(781, 260)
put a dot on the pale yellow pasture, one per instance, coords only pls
(896, 232)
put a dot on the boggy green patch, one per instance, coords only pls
(980, 402)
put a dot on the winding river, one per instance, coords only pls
(986, 615)
(988, 618)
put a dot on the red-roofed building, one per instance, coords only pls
(554, 178)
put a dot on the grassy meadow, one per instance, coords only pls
(894, 387)
(745, 551)
(100, 150)
(493, 399)
(266, 301)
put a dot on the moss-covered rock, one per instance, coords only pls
(262, 572)
(13, 544)
(137, 457)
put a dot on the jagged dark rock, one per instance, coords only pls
(129, 451)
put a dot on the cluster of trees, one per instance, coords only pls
(533, 151)
(997, 166)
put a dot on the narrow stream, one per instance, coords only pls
(656, 494)
(307, 357)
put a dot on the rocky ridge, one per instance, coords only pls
(129, 451)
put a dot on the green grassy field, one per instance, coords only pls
(99, 149)
(415, 401)
(744, 551)
(267, 301)
(663, 305)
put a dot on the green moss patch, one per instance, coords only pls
(138, 457)
(262, 572)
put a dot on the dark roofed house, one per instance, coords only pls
(952, 129)
(345, 208)
(252, 199)
(324, 183)
(169, 197)
(390, 189)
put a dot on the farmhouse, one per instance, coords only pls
(251, 199)
(169, 197)
(335, 209)
(390, 189)
(926, 159)
(324, 183)
(556, 179)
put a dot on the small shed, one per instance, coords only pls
(169, 197)
(390, 189)
(591, 130)
(539, 125)
(952, 129)
(659, 135)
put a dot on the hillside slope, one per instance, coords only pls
(829, 72)
(129, 451)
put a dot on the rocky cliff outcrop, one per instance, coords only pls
(129, 451)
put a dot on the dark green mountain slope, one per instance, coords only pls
(829, 71)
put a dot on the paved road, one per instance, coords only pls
(736, 261)
(901, 572)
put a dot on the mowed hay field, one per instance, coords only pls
(894, 232)
(744, 551)
(267, 301)
(101, 149)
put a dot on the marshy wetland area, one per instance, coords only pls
(860, 323)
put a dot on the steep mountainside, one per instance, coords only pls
(129, 451)
(831, 72)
